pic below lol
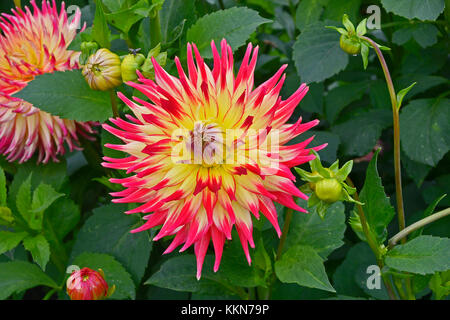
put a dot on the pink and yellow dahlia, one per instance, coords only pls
(31, 44)
(209, 151)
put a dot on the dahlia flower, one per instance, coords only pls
(31, 44)
(209, 151)
(87, 284)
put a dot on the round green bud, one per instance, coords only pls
(130, 64)
(350, 44)
(328, 190)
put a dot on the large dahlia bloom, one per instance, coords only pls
(31, 44)
(208, 151)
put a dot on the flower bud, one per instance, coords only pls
(328, 190)
(160, 57)
(87, 49)
(350, 44)
(6, 216)
(102, 70)
(87, 284)
(130, 64)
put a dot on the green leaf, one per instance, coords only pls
(313, 101)
(114, 5)
(2, 188)
(425, 134)
(340, 97)
(172, 14)
(115, 273)
(424, 83)
(308, 12)
(124, 19)
(53, 92)
(360, 133)
(420, 9)
(323, 235)
(422, 255)
(39, 249)
(402, 93)
(179, 274)
(415, 170)
(424, 34)
(427, 212)
(10, 240)
(317, 53)
(358, 258)
(108, 231)
(23, 199)
(17, 276)
(335, 9)
(235, 24)
(63, 215)
(377, 207)
(100, 29)
(365, 54)
(43, 197)
(302, 265)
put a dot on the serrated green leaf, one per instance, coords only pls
(422, 255)
(10, 240)
(100, 30)
(323, 235)
(124, 19)
(340, 97)
(115, 273)
(16, 276)
(302, 265)
(425, 134)
(420, 9)
(39, 249)
(317, 53)
(335, 9)
(424, 34)
(43, 197)
(53, 92)
(377, 207)
(23, 198)
(308, 12)
(172, 15)
(234, 24)
(108, 231)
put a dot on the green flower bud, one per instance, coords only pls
(87, 49)
(328, 190)
(350, 44)
(130, 64)
(102, 70)
(160, 57)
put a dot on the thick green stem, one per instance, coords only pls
(50, 293)
(17, 3)
(112, 95)
(155, 30)
(419, 224)
(396, 120)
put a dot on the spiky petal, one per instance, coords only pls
(203, 196)
(33, 43)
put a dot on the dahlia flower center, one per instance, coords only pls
(204, 144)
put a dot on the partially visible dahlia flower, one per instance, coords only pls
(209, 151)
(87, 284)
(34, 43)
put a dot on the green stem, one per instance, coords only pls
(51, 293)
(112, 95)
(286, 225)
(396, 119)
(373, 244)
(419, 224)
(17, 3)
(155, 31)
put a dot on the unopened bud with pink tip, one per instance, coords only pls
(88, 284)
